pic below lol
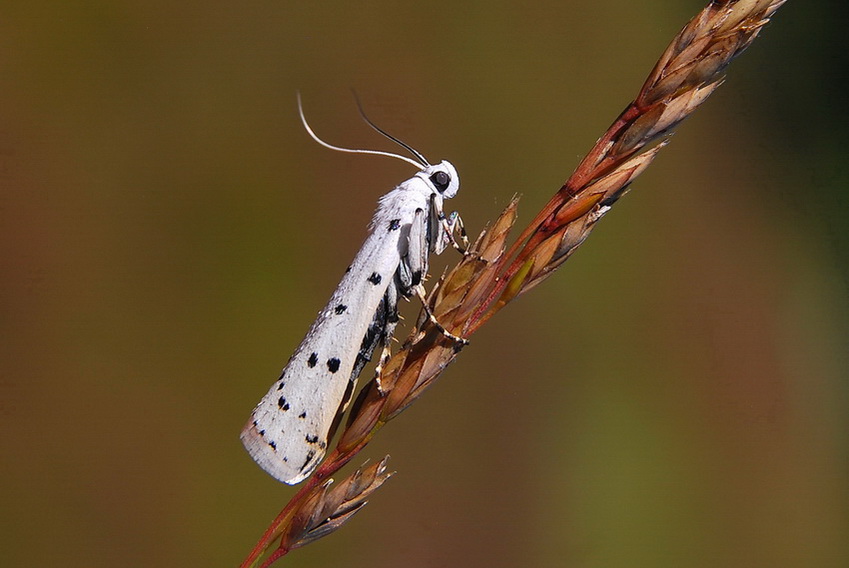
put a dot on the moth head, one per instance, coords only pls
(444, 179)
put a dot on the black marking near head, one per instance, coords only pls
(333, 364)
(441, 181)
(283, 404)
(311, 362)
(394, 224)
(375, 278)
(416, 278)
(340, 309)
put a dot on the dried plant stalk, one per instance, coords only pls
(488, 278)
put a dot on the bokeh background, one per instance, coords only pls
(675, 396)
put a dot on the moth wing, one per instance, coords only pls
(288, 432)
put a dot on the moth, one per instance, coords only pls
(288, 432)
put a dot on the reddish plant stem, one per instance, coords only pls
(594, 165)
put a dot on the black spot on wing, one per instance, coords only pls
(311, 362)
(394, 224)
(283, 404)
(302, 415)
(311, 439)
(333, 364)
(416, 278)
(340, 309)
(281, 385)
(375, 278)
(273, 445)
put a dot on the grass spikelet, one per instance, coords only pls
(489, 277)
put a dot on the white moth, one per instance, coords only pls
(287, 434)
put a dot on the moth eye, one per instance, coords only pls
(440, 180)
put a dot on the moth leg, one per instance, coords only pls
(379, 332)
(370, 341)
(373, 337)
(413, 265)
(453, 224)
(390, 320)
(420, 293)
(441, 229)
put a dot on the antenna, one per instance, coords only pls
(315, 137)
(407, 147)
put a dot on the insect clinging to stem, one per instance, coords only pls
(289, 430)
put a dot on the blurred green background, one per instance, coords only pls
(675, 396)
